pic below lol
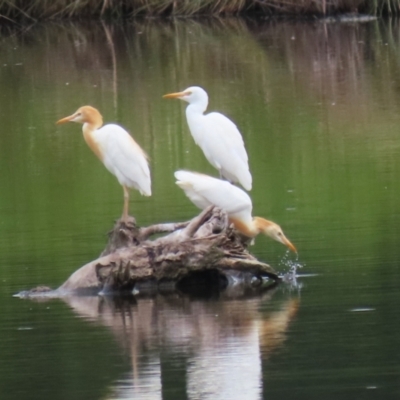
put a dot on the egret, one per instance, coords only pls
(203, 191)
(217, 136)
(117, 150)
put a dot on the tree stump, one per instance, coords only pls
(206, 250)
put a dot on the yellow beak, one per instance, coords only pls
(176, 95)
(65, 120)
(289, 244)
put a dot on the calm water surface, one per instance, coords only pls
(318, 107)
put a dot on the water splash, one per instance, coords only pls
(289, 269)
(289, 264)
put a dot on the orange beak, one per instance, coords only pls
(289, 244)
(176, 95)
(65, 120)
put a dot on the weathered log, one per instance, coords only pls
(205, 249)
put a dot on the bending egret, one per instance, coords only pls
(203, 191)
(217, 136)
(117, 150)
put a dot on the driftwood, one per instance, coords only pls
(204, 250)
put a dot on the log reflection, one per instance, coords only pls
(213, 347)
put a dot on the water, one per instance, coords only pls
(317, 105)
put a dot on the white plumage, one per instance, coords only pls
(204, 191)
(217, 136)
(123, 157)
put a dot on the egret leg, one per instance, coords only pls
(126, 204)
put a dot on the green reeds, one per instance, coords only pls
(53, 9)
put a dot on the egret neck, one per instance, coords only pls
(93, 122)
(252, 228)
(262, 224)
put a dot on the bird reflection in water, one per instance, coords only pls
(218, 344)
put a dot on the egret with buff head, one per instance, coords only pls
(217, 136)
(204, 191)
(117, 150)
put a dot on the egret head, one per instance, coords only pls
(274, 231)
(85, 114)
(193, 94)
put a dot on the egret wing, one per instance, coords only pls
(124, 158)
(204, 190)
(229, 132)
(224, 148)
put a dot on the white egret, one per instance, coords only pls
(217, 136)
(203, 191)
(117, 150)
